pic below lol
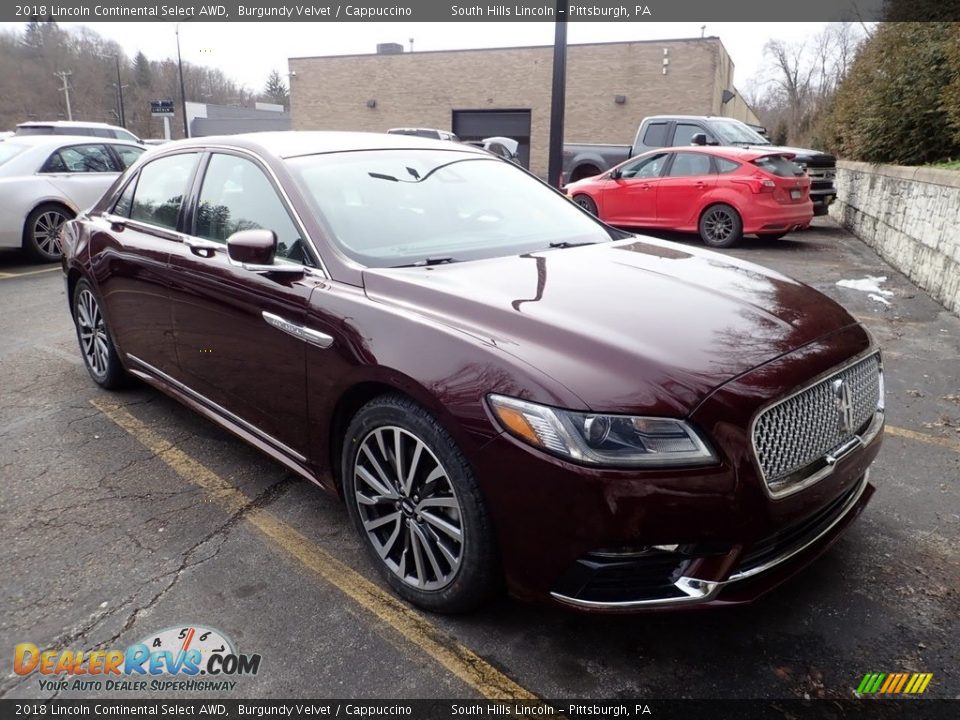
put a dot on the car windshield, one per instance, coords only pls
(389, 208)
(734, 132)
(9, 150)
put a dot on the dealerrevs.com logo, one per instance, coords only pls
(190, 657)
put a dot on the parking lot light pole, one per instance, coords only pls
(558, 94)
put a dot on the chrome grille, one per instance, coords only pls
(806, 426)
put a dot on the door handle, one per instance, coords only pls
(203, 248)
(314, 337)
(644, 186)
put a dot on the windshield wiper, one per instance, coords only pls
(566, 244)
(430, 261)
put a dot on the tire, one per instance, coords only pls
(772, 236)
(96, 343)
(41, 232)
(720, 226)
(416, 549)
(584, 171)
(587, 203)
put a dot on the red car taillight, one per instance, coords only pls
(758, 184)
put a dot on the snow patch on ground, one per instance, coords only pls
(870, 284)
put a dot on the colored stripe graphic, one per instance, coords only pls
(894, 683)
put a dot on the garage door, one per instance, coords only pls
(480, 124)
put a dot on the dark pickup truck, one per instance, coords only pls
(580, 161)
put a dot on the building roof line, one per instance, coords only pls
(510, 47)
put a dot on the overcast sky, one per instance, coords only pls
(248, 51)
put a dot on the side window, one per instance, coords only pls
(127, 154)
(124, 135)
(648, 167)
(101, 132)
(124, 203)
(726, 166)
(80, 159)
(161, 188)
(689, 164)
(656, 135)
(685, 132)
(236, 195)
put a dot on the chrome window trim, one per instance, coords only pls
(264, 165)
(218, 408)
(831, 458)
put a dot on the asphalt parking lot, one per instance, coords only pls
(124, 514)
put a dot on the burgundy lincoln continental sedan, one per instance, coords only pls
(501, 388)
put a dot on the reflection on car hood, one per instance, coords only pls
(638, 323)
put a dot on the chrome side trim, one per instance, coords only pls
(831, 458)
(218, 409)
(694, 591)
(314, 337)
(770, 564)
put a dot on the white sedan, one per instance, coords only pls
(47, 179)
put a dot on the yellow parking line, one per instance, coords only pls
(946, 442)
(462, 662)
(8, 276)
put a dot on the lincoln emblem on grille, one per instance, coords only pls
(843, 403)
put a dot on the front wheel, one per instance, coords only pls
(720, 226)
(587, 203)
(41, 232)
(96, 343)
(413, 498)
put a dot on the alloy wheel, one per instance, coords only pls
(718, 225)
(94, 342)
(46, 231)
(409, 508)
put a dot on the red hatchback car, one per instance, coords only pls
(721, 193)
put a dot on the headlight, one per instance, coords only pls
(598, 439)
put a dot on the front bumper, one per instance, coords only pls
(619, 540)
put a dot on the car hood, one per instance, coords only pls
(637, 324)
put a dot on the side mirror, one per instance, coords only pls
(699, 139)
(256, 250)
(616, 174)
(252, 247)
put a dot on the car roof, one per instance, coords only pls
(67, 124)
(296, 143)
(691, 117)
(59, 140)
(741, 154)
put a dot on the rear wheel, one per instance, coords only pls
(96, 343)
(587, 203)
(720, 226)
(413, 498)
(41, 232)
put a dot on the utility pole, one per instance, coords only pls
(123, 115)
(63, 75)
(183, 94)
(558, 94)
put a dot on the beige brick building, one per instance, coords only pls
(610, 88)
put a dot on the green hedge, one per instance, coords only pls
(900, 102)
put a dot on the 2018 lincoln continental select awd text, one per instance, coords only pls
(500, 387)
